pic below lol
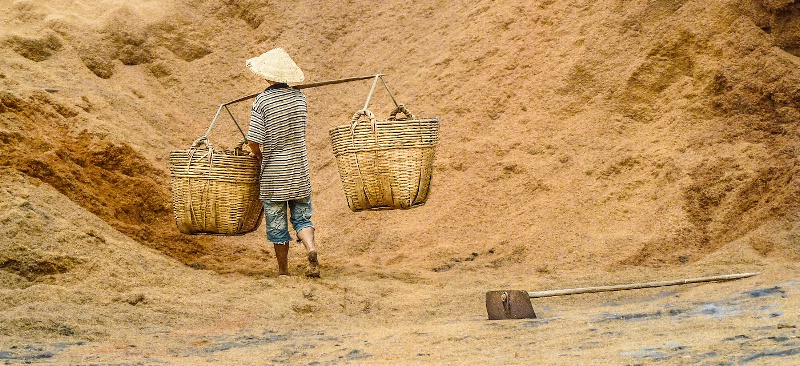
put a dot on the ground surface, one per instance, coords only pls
(583, 143)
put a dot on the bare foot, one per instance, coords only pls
(313, 265)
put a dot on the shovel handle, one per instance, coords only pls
(634, 286)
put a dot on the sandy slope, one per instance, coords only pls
(102, 299)
(582, 143)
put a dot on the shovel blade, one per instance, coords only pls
(509, 304)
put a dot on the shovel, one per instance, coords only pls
(516, 304)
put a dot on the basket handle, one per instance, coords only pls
(361, 113)
(203, 140)
(357, 118)
(400, 109)
(198, 145)
(238, 149)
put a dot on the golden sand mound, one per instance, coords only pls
(582, 143)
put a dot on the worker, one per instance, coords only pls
(277, 138)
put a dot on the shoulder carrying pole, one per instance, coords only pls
(309, 85)
(300, 86)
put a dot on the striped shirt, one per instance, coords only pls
(278, 123)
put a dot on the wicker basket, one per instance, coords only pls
(215, 192)
(385, 164)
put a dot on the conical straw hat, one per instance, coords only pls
(276, 65)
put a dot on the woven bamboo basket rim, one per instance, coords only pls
(384, 135)
(226, 168)
(202, 161)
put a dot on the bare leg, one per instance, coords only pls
(306, 236)
(282, 255)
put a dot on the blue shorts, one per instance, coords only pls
(277, 222)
